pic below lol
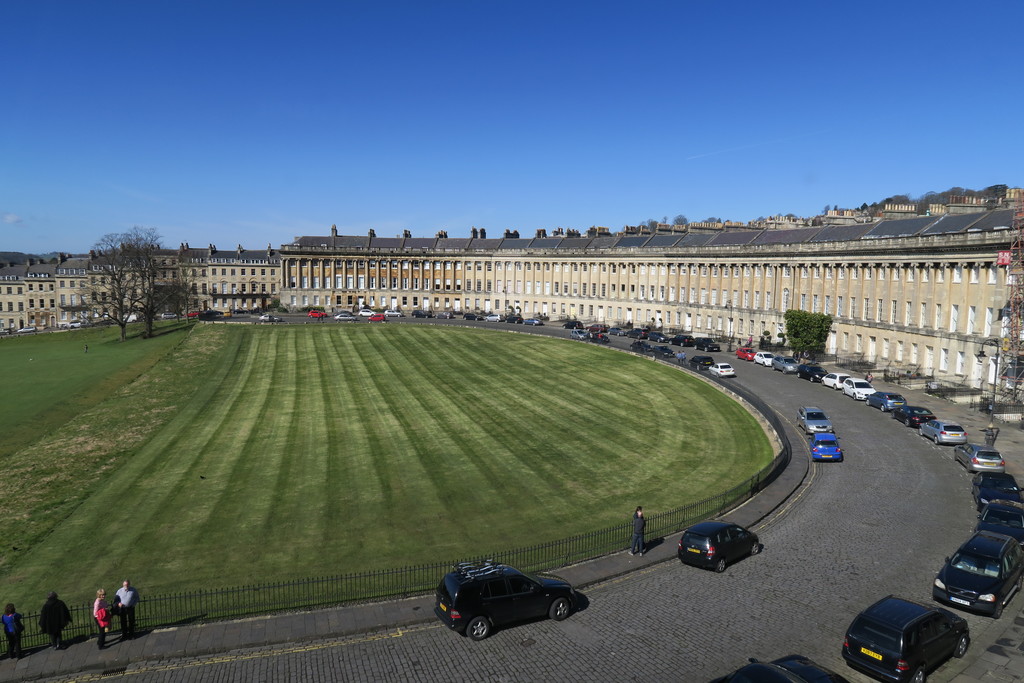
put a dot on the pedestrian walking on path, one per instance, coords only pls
(101, 613)
(129, 598)
(53, 618)
(12, 630)
(639, 524)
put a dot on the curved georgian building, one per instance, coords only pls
(916, 293)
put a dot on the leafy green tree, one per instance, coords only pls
(807, 331)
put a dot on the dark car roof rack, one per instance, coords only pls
(479, 568)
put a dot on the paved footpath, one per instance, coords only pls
(164, 654)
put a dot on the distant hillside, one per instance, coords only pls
(17, 257)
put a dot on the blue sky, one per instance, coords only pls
(254, 122)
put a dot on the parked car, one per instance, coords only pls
(899, 640)
(857, 389)
(976, 458)
(942, 432)
(721, 369)
(745, 353)
(27, 330)
(682, 340)
(573, 325)
(813, 420)
(663, 352)
(474, 598)
(492, 318)
(377, 318)
(166, 315)
(812, 373)
(366, 312)
(535, 322)
(392, 313)
(983, 575)
(514, 319)
(791, 669)
(268, 318)
(834, 380)
(714, 545)
(341, 316)
(699, 363)
(315, 313)
(764, 358)
(422, 314)
(616, 332)
(912, 416)
(472, 316)
(445, 315)
(597, 337)
(657, 337)
(826, 447)
(785, 364)
(707, 344)
(989, 486)
(885, 400)
(598, 328)
(637, 333)
(1003, 517)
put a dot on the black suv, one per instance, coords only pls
(812, 373)
(682, 340)
(707, 344)
(983, 575)
(1003, 517)
(477, 596)
(900, 640)
(701, 362)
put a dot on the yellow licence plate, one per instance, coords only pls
(869, 653)
(694, 550)
(444, 608)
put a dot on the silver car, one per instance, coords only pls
(785, 365)
(813, 420)
(977, 458)
(943, 432)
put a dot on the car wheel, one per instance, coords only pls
(720, 567)
(935, 439)
(478, 628)
(961, 646)
(559, 609)
(918, 676)
(755, 549)
(998, 612)
(920, 431)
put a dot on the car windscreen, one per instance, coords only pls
(919, 411)
(881, 635)
(695, 540)
(988, 455)
(976, 564)
(827, 443)
(815, 415)
(1002, 483)
(1008, 518)
(954, 428)
(861, 385)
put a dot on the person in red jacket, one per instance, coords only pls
(101, 612)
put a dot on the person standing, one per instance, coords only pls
(53, 618)
(12, 629)
(129, 598)
(101, 613)
(639, 524)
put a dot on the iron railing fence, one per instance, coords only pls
(161, 611)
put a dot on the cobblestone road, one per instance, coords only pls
(879, 523)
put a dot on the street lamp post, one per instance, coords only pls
(991, 432)
(728, 304)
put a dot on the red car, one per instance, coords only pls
(194, 314)
(316, 314)
(377, 318)
(745, 353)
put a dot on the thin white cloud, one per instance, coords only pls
(10, 218)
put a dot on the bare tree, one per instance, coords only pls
(126, 277)
(680, 220)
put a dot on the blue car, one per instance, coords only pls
(826, 447)
(885, 401)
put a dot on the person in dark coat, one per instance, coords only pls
(639, 524)
(54, 617)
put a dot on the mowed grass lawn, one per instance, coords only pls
(296, 451)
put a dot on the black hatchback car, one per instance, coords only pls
(983, 575)
(477, 596)
(989, 486)
(701, 362)
(1003, 517)
(707, 344)
(812, 373)
(713, 545)
(682, 340)
(791, 669)
(900, 640)
(912, 416)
